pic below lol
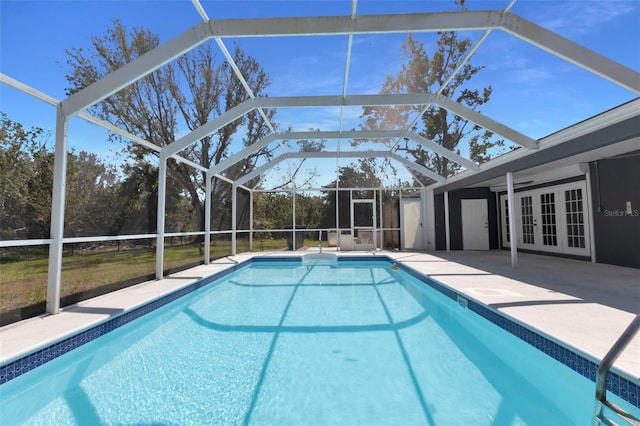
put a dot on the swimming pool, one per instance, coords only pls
(278, 341)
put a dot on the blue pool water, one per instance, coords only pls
(289, 343)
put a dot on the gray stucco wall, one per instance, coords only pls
(614, 182)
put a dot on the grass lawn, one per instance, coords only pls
(23, 282)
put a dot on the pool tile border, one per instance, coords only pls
(616, 384)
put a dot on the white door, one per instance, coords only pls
(411, 224)
(475, 225)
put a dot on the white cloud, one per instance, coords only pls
(326, 119)
(531, 76)
(576, 18)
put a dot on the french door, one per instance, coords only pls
(553, 219)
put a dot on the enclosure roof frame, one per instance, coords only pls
(349, 25)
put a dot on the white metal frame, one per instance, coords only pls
(219, 30)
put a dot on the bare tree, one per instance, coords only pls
(422, 73)
(190, 91)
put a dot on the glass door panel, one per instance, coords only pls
(575, 219)
(528, 220)
(548, 219)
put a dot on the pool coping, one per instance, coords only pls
(101, 315)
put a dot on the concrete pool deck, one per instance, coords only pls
(584, 305)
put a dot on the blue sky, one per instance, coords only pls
(533, 92)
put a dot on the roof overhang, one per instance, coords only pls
(608, 134)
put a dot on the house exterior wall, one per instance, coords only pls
(616, 228)
(455, 216)
(614, 182)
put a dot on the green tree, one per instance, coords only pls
(188, 92)
(138, 202)
(91, 196)
(309, 210)
(39, 193)
(422, 73)
(24, 178)
(272, 210)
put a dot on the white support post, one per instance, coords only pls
(57, 214)
(589, 213)
(338, 232)
(499, 227)
(381, 229)
(251, 220)
(429, 219)
(162, 196)
(293, 237)
(446, 220)
(513, 243)
(207, 219)
(351, 222)
(234, 213)
(401, 219)
(375, 221)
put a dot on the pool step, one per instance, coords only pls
(320, 259)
